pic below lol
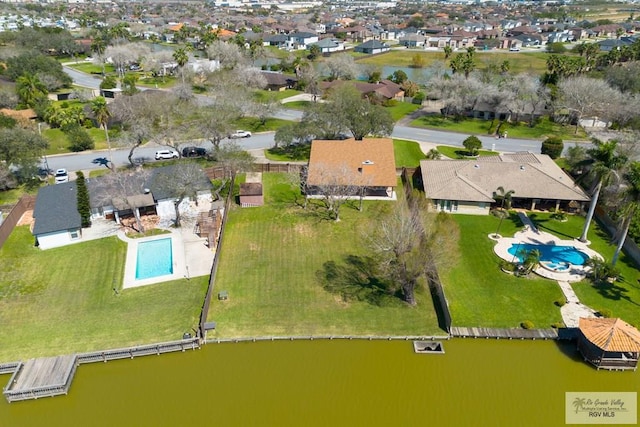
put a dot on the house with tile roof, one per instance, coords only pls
(609, 343)
(368, 164)
(468, 186)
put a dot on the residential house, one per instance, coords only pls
(413, 40)
(329, 45)
(57, 221)
(372, 47)
(277, 81)
(300, 40)
(384, 89)
(369, 164)
(468, 186)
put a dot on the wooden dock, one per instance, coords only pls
(506, 333)
(43, 377)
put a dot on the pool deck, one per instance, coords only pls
(530, 235)
(191, 257)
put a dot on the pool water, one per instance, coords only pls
(154, 259)
(558, 255)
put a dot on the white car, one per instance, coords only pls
(166, 154)
(61, 176)
(240, 134)
(514, 49)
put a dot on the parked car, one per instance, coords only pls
(194, 152)
(166, 154)
(240, 134)
(514, 49)
(61, 176)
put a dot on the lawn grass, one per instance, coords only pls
(270, 262)
(461, 153)
(402, 109)
(291, 153)
(254, 124)
(90, 68)
(480, 294)
(543, 129)
(297, 105)
(58, 143)
(531, 62)
(61, 301)
(623, 296)
(157, 82)
(407, 153)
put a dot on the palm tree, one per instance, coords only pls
(100, 109)
(605, 163)
(181, 57)
(630, 205)
(30, 89)
(505, 198)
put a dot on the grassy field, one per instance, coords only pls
(402, 109)
(480, 294)
(296, 105)
(407, 153)
(531, 62)
(90, 68)
(61, 300)
(59, 144)
(460, 153)
(263, 95)
(272, 257)
(254, 124)
(542, 130)
(621, 297)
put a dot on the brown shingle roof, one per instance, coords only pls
(251, 189)
(373, 156)
(529, 175)
(611, 334)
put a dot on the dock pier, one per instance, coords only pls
(43, 377)
(504, 333)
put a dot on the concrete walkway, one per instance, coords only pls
(573, 310)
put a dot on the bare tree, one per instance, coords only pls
(457, 92)
(587, 97)
(118, 189)
(341, 66)
(155, 62)
(216, 122)
(233, 159)
(335, 185)
(123, 55)
(185, 178)
(228, 54)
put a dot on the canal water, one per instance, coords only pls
(327, 383)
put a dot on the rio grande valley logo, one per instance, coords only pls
(601, 408)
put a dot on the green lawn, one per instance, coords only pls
(402, 109)
(254, 124)
(59, 144)
(407, 153)
(90, 68)
(542, 130)
(263, 95)
(621, 297)
(479, 294)
(61, 300)
(531, 62)
(272, 257)
(297, 105)
(460, 153)
(291, 153)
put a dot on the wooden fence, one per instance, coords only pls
(26, 202)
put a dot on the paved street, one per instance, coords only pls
(427, 138)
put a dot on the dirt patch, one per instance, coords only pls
(253, 247)
(148, 222)
(26, 218)
(304, 230)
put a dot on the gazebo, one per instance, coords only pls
(609, 343)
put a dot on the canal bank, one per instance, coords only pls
(337, 382)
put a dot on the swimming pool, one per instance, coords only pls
(154, 258)
(557, 255)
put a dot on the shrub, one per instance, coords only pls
(602, 270)
(560, 302)
(418, 98)
(507, 266)
(605, 312)
(109, 82)
(472, 144)
(79, 139)
(558, 325)
(559, 216)
(527, 324)
(552, 147)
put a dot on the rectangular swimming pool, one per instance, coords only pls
(154, 258)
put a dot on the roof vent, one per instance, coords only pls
(521, 167)
(367, 162)
(477, 166)
(147, 191)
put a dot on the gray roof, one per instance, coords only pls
(529, 175)
(372, 44)
(56, 209)
(326, 43)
